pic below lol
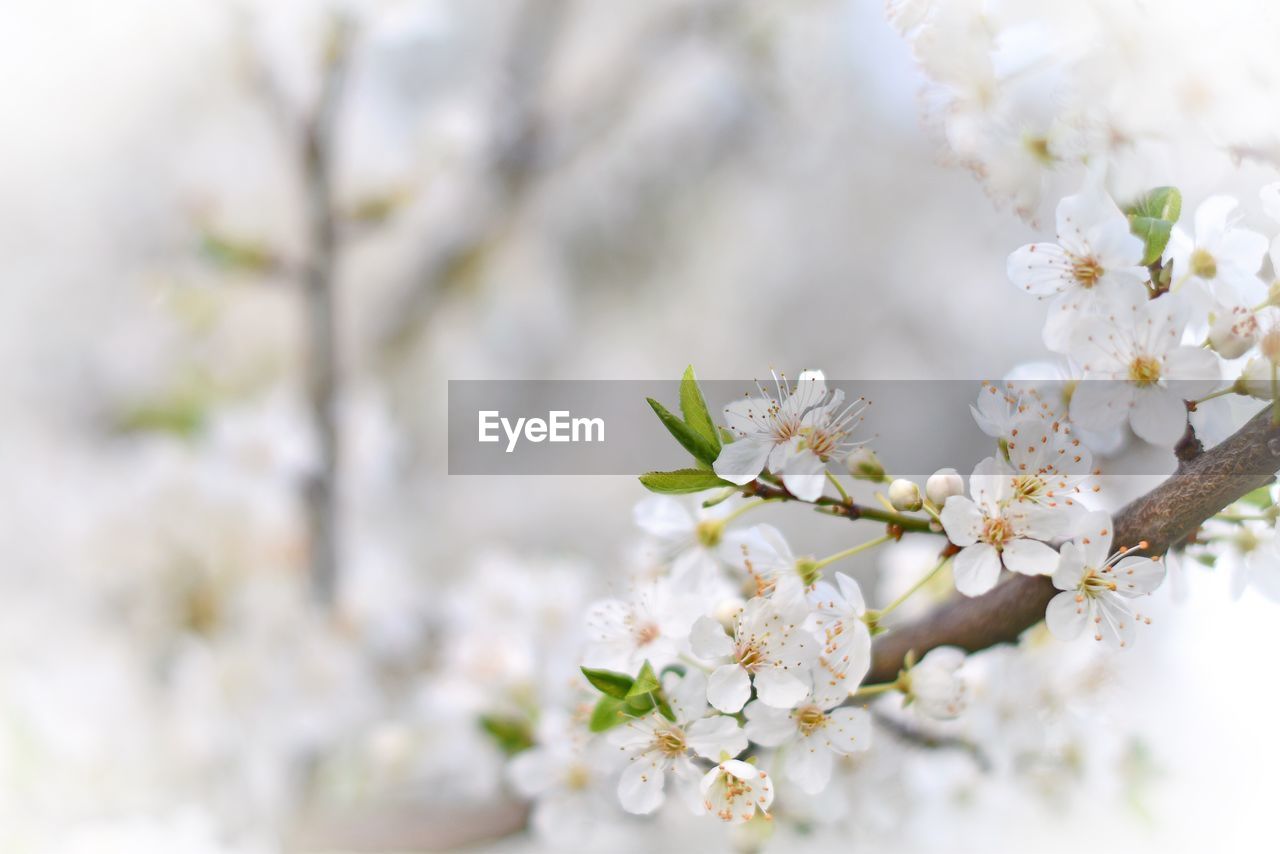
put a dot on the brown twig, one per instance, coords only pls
(319, 294)
(1201, 487)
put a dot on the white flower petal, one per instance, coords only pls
(640, 787)
(782, 689)
(977, 569)
(710, 737)
(728, 688)
(1030, 557)
(709, 640)
(1066, 617)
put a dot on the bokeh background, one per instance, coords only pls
(578, 190)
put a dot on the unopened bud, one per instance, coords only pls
(863, 463)
(1233, 332)
(1255, 380)
(943, 484)
(905, 495)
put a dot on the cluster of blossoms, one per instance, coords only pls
(738, 659)
(1030, 94)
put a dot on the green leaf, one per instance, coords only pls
(606, 715)
(1155, 236)
(609, 682)
(681, 481)
(646, 682)
(1152, 217)
(693, 406)
(512, 734)
(1161, 203)
(638, 707)
(691, 440)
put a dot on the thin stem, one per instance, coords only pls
(836, 507)
(873, 690)
(869, 544)
(1219, 393)
(844, 496)
(750, 505)
(914, 588)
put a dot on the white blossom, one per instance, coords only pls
(651, 624)
(794, 433)
(733, 791)
(935, 687)
(815, 732)
(1094, 266)
(1221, 261)
(1096, 585)
(992, 531)
(1137, 369)
(655, 746)
(768, 648)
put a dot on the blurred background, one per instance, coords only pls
(244, 247)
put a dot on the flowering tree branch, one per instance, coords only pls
(1202, 486)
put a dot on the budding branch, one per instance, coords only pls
(1202, 486)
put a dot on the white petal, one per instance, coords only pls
(779, 688)
(640, 787)
(848, 730)
(728, 688)
(1159, 416)
(1030, 557)
(663, 517)
(802, 474)
(1100, 404)
(977, 569)
(1136, 576)
(962, 520)
(742, 461)
(809, 765)
(767, 726)
(709, 640)
(710, 737)
(1041, 269)
(852, 594)
(1065, 617)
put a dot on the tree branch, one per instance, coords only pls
(1202, 486)
(320, 325)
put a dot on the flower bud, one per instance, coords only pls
(863, 463)
(943, 484)
(1255, 379)
(1233, 332)
(934, 686)
(905, 495)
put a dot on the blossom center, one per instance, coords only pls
(750, 656)
(1144, 371)
(1093, 582)
(708, 533)
(809, 719)
(1028, 486)
(996, 531)
(647, 634)
(670, 742)
(1087, 271)
(577, 778)
(1203, 264)
(822, 442)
